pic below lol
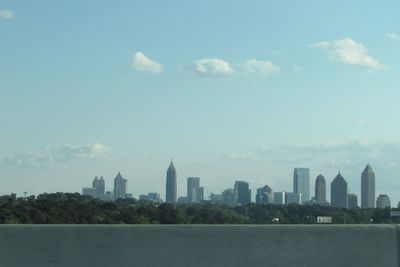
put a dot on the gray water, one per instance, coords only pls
(194, 245)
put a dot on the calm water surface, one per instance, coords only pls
(193, 245)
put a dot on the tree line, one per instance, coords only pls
(73, 208)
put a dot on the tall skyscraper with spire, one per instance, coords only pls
(339, 192)
(170, 196)
(320, 189)
(368, 188)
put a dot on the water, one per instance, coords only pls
(193, 245)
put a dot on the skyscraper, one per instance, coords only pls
(195, 193)
(119, 187)
(170, 196)
(368, 188)
(265, 195)
(320, 189)
(301, 183)
(99, 185)
(229, 197)
(243, 192)
(339, 192)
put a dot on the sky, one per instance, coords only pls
(230, 90)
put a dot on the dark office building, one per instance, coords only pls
(339, 192)
(243, 192)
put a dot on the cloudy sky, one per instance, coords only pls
(230, 90)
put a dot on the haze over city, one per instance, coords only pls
(229, 91)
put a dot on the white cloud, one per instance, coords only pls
(6, 14)
(142, 63)
(56, 155)
(332, 154)
(349, 52)
(392, 36)
(260, 66)
(212, 67)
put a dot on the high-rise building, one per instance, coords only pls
(301, 183)
(243, 192)
(339, 192)
(368, 188)
(352, 200)
(100, 187)
(293, 198)
(229, 197)
(383, 201)
(171, 184)
(195, 193)
(265, 195)
(320, 189)
(279, 198)
(120, 187)
(192, 184)
(200, 194)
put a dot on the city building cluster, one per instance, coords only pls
(240, 194)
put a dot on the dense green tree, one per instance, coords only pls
(67, 208)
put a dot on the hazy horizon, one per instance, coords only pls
(230, 91)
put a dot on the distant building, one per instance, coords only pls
(383, 201)
(89, 191)
(229, 197)
(192, 184)
(171, 188)
(120, 187)
(265, 195)
(183, 200)
(243, 192)
(155, 197)
(352, 200)
(144, 198)
(195, 193)
(152, 197)
(301, 183)
(339, 192)
(279, 198)
(200, 194)
(109, 196)
(368, 188)
(293, 198)
(100, 187)
(216, 198)
(320, 189)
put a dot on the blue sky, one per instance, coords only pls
(230, 90)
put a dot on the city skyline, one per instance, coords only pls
(241, 194)
(231, 91)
